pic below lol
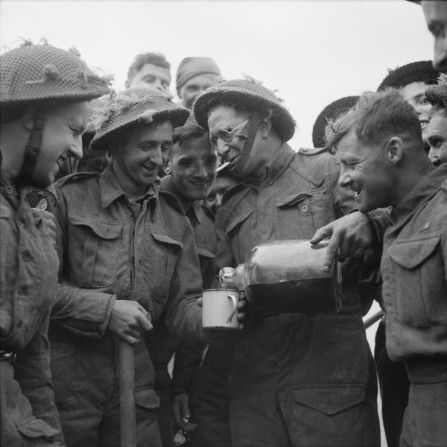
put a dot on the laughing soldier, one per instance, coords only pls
(128, 260)
(45, 94)
(379, 147)
(297, 379)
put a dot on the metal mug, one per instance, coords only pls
(219, 309)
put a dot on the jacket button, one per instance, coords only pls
(304, 208)
(26, 256)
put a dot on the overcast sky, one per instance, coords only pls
(311, 51)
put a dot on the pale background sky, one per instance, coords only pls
(311, 51)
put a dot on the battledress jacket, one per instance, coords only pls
(414, 270)
(28, 284)
(187, 355)
(296, 378)
(108, 251)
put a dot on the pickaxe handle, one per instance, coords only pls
(128, 422)
(373, 318)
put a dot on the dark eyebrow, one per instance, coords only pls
(435, 138)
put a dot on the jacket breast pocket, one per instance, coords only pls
(300, 214)
(315, 415)
(416, 275)
(93, 251)
(165, 251)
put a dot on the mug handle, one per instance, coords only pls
(234, 300)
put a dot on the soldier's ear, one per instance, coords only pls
(265, 127)
(394, 150)
(28, 118)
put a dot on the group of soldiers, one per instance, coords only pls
(120, 249)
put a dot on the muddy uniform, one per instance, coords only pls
(301, 380)
(162, 344)
(113, 248)
(414, 269)
(28, 284)
(208, 396)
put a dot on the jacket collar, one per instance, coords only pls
(275, 168)
(420, 194)
(111, 190)
(280, 163)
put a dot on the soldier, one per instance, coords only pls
(127, 260)
(437, 128)
(45, 94)
(193, 169)
(379, 147)
(296, 379)
(412, 80)
(194, 75)
(150, 70)
(435, 13)
(204, 398)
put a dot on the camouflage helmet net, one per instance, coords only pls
(40, 73)
(132, 107)
(246, 93)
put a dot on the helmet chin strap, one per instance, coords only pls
(240, 167)
(32, 149)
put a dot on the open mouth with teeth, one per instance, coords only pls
(436, 161)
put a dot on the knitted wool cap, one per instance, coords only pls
(437, 95)
(421, 71)
(38, 73)
(131, 107)
(329, 113)
(194, 66)
(248, 94)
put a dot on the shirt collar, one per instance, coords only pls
(111, 189)
(420, 194)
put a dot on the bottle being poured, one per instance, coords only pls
(287, 277)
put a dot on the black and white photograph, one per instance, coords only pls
(223, 223)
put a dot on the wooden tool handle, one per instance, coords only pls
(128, 423)
(373, 319)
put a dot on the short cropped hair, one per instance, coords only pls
(376, 117)
(188, 132)
(157, 59)
(438, 109)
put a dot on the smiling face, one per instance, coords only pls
(61, 138)
(228, 119)
(364, 169)
(151, 75)
(193, 168)
(437, 139)
(142, 154)
(414, 94)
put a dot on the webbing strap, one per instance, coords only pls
(32, 149)
(240, 167)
